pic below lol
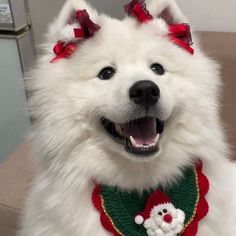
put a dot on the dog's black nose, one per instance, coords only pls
(145, 93)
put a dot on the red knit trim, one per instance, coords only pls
(191, 230)
(202, 207)
(96, 198)
(105, 220)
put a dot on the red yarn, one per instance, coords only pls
(191, 230)
(97, 201)
(202, 207)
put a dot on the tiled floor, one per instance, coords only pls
(15, 177)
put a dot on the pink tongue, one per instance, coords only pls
(143, 130)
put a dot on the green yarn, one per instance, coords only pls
(122, 207)
(185, 194)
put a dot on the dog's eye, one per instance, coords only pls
(158, 69)
(106, 73)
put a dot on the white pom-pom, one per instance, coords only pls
(139, 220)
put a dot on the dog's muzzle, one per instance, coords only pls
(139, 136)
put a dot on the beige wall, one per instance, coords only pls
(205, 15)
(211, 15)
(43, 12)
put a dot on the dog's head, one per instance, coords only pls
(129, 107)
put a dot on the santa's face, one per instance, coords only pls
(165, 220)
(164, 213)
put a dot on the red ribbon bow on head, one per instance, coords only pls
(180, 34)
(137, 8)
(63, 50)
(88, 27)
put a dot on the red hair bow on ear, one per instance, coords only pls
(180, 34)
(88, 27)
(137, 8)
(63, 50)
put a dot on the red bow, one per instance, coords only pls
(63, 50)
(180, 34)
(88, 27)
(137, 8)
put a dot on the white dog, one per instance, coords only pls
(127, 109)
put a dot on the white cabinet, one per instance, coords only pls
(14, 114)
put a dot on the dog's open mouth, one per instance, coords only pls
(140, 136)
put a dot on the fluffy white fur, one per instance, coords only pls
(72, 149)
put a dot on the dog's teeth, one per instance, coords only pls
(133, 141)
(144, 146)
(156, 139)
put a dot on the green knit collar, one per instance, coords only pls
(161, 211)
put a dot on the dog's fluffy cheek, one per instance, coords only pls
(95, 99)
(166, 103)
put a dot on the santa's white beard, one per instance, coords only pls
(156, 226)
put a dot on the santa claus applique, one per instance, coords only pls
(160, 217)
(174, 211)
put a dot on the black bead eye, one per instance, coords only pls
(165, 211)
(106, 73)
(158, 69)
(160, 213)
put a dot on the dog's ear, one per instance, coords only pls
(62, 29)
(168, 10)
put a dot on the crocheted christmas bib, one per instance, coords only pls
(157, 212)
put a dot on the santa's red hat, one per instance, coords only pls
(155, 199)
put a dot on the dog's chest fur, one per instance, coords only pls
(76, 214)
